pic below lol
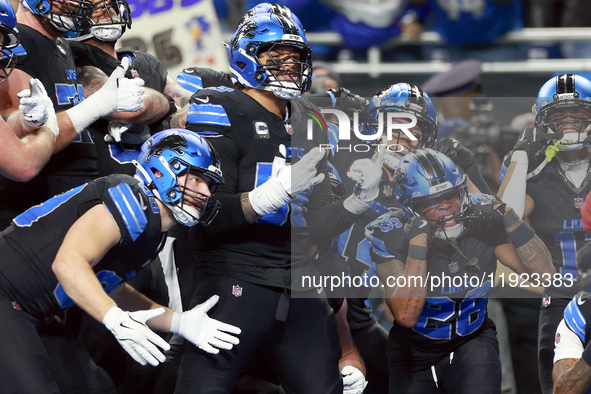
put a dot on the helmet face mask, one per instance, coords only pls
(428, 184)
(170, 155)
(114, 17)
(267, 36)
(563, 108)
(63, 15)
(10, 39)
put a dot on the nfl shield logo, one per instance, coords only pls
(388, 190)
(578, 202)
(453, 267)
(236, 291)
(546, 301)
(558, 338)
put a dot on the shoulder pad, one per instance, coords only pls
(573, 315)
(385, 234)
(196, 78)
(131, 207)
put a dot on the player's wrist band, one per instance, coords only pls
(586, 356)
(417, 252)
(510, 218)
(175, 322)
(355, 204)
(521, 235)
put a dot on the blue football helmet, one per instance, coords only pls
(561, 93)
(64, 15)
(10, 41)
(261, 34)
(173, 153)
(118, 20)
(271, 8)
(402, 98)
(426, 177)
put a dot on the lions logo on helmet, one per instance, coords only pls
(170, 154)
(271, 8)
(426, 177)
(173, 142)
(567, 94)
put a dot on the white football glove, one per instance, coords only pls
(368, 174)
(286, 181)
(130, 94)
(132, 333)
(117, 94)
(204, 332)
(36, 108)
(127, 133)
(353, 380)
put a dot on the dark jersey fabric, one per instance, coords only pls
(355, 247)
(29, 245)
(197, 78)
(52, 63)
(556, 218)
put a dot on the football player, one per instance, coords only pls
(399, 99)
(548, 172)
(118, 143)
(442, 339)
(96, 58)
(45, 55)
(572, 353)
(261, 232)
(101, 233)
(23, 158)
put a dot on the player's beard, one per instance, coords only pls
(48, 26)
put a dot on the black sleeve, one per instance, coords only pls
(329, 221)
(326, 219)
(476, 177)
(230, 214)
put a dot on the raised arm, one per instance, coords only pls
(524, 249)
(156, 105)
(406, 302)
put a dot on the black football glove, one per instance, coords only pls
(458, 153)
(486, 211)
(350, 102)
(533, 141)
(419, 225)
